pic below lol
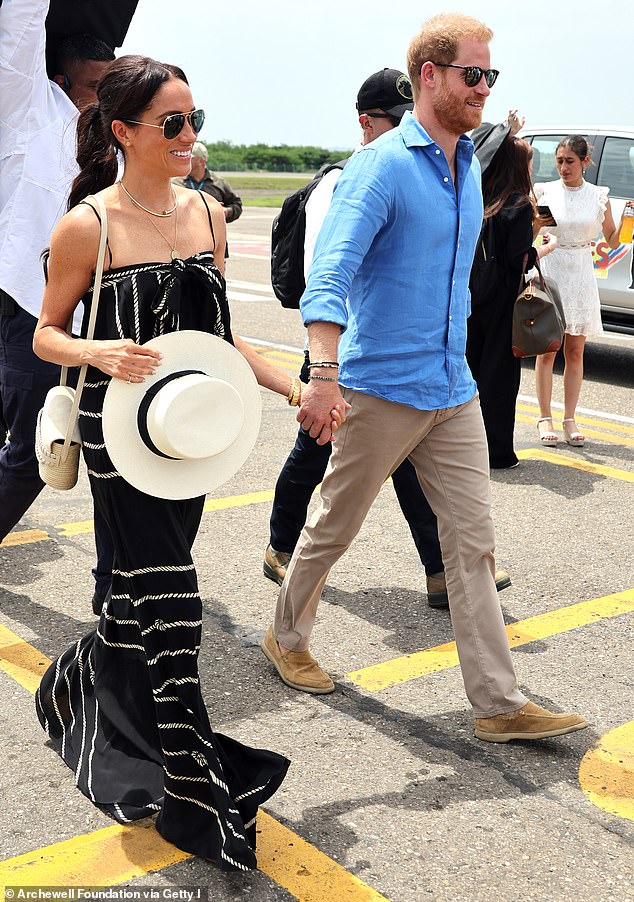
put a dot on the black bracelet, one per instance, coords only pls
(323, 363)
(324, 378)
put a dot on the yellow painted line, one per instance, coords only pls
(281, 355)
(303, 870)
(24, 663)
(606, 773)
(24, 537)
(613, 425)
(118, 853)
(441, 657)
(577, 463)
(105, 857)
(221, 504)
(83, 527)
(589, 433)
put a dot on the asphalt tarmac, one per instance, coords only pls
(389, 794)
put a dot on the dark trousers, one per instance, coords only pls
(24, 382)
(304, 470)
(497, 373)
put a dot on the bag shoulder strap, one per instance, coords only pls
(96, 291)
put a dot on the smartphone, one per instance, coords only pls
(545, 212)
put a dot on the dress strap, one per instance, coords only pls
(99, 218)
(211, 225)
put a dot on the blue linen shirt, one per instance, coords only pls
(392, 266)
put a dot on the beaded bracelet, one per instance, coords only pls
(324, 378)
(323, 363)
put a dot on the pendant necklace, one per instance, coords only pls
(172, 246)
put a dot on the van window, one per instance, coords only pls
(616, 169)
(544, 147)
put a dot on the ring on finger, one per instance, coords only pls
(129, 377)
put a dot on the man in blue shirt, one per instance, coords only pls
(398, 243)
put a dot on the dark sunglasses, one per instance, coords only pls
(473, 74)
(174, 124)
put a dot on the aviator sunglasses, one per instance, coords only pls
(174, 124)
(473, 74)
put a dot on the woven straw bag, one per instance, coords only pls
(57, 438)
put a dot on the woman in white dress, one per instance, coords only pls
(581, 211)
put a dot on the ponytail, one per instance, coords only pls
(96, 155)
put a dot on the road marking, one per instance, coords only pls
(21, 661)
(606, 773)
(377, 677)
(530, 399)
(302, 869)
(610, 424)
(119, 853)
(589, 433)
(25, 537)
(562, 460)
(251, 286)
(107, 857)
(253, 298)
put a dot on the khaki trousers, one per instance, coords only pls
(448, 448)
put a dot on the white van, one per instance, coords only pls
(612, 152)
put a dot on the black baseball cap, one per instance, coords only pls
(389, 90)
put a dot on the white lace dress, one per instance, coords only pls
(579, 215)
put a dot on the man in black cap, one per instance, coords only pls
(382, 100)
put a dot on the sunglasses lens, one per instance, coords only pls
(173, 125)
(197, 119)
(472, 75)
(491, 77)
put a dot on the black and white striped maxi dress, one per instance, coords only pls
(123, 705)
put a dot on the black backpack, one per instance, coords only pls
(287, 242)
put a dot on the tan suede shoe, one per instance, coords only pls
(437, 587)
(275, 564)
(530, 722)
(298, 669)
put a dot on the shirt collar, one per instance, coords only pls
(414, 135)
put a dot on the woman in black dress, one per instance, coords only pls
(123, 706)
(506, 239)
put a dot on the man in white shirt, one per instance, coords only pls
(38, 120)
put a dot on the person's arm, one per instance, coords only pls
(231, 203)
(22, 57)
(71, 265)
(359, 208)
(610, 230)
(518, 228)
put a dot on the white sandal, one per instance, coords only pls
(548, 437)
(573, 436)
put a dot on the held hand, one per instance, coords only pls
(322, 410)
(122, 359)
(550, 241)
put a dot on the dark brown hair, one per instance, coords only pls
(507, 174)
(124, 92)
(577, 144)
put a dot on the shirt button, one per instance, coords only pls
(450, 316)
(453, 282)
(437, 151)
(445, 179)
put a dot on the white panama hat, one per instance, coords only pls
(189, 427)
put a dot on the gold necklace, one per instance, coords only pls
(174, 253)
(146, 209)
